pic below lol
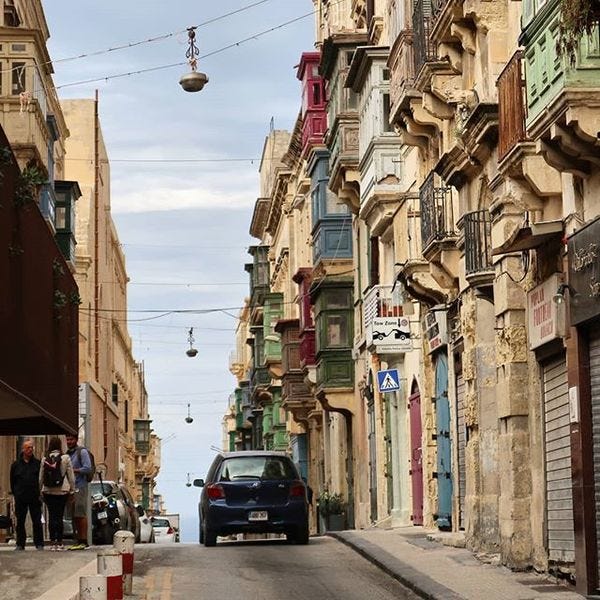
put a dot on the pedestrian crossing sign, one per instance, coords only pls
(389, 380)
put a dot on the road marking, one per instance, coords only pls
(166, 588)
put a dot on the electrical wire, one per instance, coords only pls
(129, 45)
(179, 64)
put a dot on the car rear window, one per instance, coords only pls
(160, 523)
(256, 467)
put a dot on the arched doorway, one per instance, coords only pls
(416, 454)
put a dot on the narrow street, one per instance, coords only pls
(265, 570)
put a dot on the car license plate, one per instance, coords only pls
(102, 515)
(258, 515)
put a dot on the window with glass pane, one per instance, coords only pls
(18, 77)
(333, 204)
(61, 217)
(337, 330)
(337, 299)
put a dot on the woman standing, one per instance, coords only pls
(57, 482)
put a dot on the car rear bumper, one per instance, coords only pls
(233, 519)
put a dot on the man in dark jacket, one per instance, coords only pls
(25, 487)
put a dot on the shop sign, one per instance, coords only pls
(436, 329)
(584, 273)
(390, 335)
(543, 318)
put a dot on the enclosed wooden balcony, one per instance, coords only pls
(511, 106)
(562, 96)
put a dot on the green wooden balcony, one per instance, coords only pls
(559, 92)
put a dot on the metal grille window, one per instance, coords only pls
(478, 249)
(437, 214)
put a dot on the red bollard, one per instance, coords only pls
(110, 565)
(124, 542)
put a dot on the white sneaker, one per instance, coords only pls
(59, 548)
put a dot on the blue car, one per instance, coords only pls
(253, 492)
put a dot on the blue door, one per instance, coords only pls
(444, 464)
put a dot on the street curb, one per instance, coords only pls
(69, 588)
(418, 582)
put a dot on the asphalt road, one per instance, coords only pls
(260, 570)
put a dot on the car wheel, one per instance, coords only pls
(210, 537)
(152, 538)
(301, 536)
(200, 534)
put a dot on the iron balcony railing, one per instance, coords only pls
(478, 246)
(511, 106)
(437, 212)
(437, 8)
(424, 48)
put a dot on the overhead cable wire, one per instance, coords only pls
(181, 63)
(129, 45)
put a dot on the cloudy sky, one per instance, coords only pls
(183, 224)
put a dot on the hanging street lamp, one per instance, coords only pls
(193, 81)
(191, 351)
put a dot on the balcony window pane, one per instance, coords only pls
(18, 78)
(334, 205)
(61, 217)
(337, 331)
(338, 299)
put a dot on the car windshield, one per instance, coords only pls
(160, 523)
(256, 467)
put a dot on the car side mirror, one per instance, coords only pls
(198, 482)
(140, 510)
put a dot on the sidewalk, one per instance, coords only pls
(34, 575)
(438, 572)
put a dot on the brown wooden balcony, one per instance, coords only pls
(511, 106)
(437, 212)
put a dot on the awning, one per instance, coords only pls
(530, 237)
(20, 415)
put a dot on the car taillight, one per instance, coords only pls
(215, 491)
(297, 489)
(170, 530)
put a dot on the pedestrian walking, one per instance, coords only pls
(82, 467)
(25, 488)
(57, 482)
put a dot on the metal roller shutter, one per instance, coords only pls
(557, 448)
(462, 440)
(594, 342)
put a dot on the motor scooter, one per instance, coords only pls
(105, 516)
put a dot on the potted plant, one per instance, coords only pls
(332, 511)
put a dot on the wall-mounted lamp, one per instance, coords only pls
(188, 482)
(559, 297)
(189, 419)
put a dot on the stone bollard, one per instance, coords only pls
(124, 542)
(92, 587)
(110, 565)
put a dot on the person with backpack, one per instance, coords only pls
(81, 461)
(25, 488)
(57, 482)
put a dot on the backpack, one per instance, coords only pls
(52, 476)
(88, 476)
